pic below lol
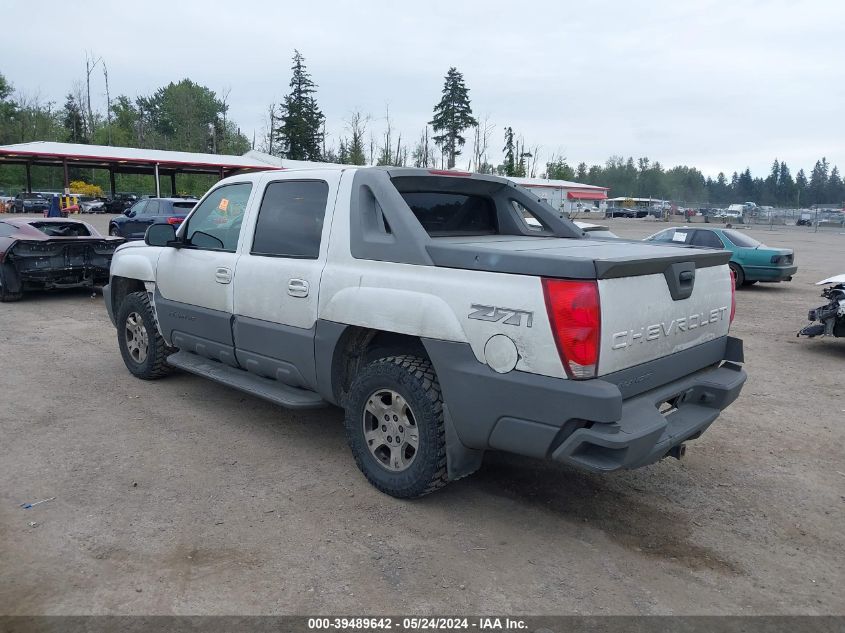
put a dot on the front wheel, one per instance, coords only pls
(142, 347)
(114, 232)
(394, 426)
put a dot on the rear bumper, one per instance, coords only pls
(599, 425)
(770, 273)
(643, 434)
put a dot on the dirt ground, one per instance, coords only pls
(184, 497)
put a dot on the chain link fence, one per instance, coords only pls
(822, 219)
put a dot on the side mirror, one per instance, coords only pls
(160, 235)
(127, 213)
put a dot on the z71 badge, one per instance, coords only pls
(508, 316)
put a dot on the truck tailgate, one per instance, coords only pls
(641, 321)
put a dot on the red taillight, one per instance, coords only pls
(175, 220)
(575, 315)
(733, 295)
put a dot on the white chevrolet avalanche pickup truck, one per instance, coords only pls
(447, 313)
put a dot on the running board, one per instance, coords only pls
(242, 380)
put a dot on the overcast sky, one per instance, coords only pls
(721, 85)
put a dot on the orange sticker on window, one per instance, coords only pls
(224, 204)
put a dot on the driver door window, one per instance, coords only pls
(216, 223)
(137, 208)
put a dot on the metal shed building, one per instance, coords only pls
(125, 160)
(567, 196)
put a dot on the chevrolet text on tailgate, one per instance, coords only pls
(448, 314)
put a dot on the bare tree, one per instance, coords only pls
(224, 100)
(533, 161)
(481, 139)
(423, 154)
(385, 151)
(268, 135)
(108, 101)
(90, 65)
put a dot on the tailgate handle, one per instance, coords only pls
(680, 278)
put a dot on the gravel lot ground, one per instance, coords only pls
(184, 497)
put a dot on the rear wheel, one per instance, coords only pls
(142, 347)
(5, 295)
(394, 426)
(8, 297)
(739, 275)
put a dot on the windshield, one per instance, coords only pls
(741, 240)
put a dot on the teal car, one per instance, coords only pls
(752, 261)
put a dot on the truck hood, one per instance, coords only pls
(569, 258)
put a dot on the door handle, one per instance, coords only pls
(223, 275)
(298, 288)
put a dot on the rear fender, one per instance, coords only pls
(392, 310)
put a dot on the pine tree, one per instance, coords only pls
(745, 186)
(801, 189)
(581, 174)
(73, 121)
(818, 183)
(301, 129)
(357, 125)
(786, 187)
(510, 152)
(835, 188)
(343, 152)
(771, 185)
(452, 116)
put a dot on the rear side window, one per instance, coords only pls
(447, 214)
(743, 241)
(152, 207)
(184, 207)
(290, 220)
(706, 238)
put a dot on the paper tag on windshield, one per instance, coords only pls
(679, 237)
(224, 204)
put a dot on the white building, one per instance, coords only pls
(566, 196)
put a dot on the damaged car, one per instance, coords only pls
(52, 253)
(829, 319)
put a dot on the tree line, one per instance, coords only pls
(187, 116)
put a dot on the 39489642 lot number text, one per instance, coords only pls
(414, 624)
